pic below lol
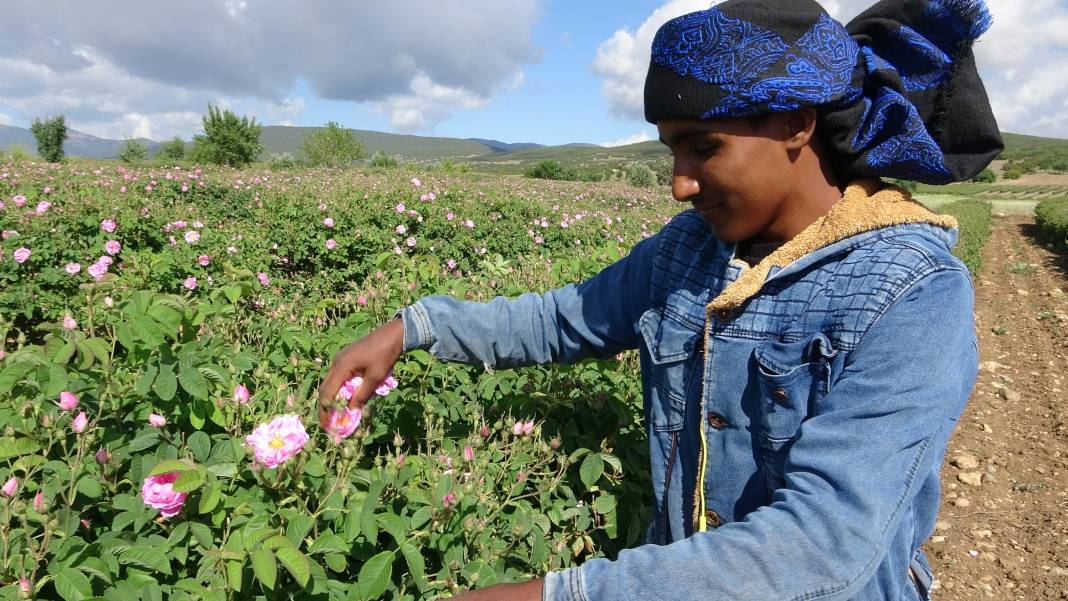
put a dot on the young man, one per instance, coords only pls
(806, 336)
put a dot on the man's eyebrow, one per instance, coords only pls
(682, 136)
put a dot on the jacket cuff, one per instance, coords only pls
(417, 331)
(563, 586)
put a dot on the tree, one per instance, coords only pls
(228, 139)
(550, 169)
(50, 135)
(331, 146)
(133, 152)
(381, 159)
(986, 176)
(174, 150)
(641, 176)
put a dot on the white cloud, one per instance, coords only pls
(623, 58)
(422, 60)
(642, 136)
(6, 120)
(1023, 60)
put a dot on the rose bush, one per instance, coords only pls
(160, 438)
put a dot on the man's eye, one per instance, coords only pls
(704, 150)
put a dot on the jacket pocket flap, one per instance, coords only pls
(668, 339)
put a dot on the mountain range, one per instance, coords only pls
(482, 153)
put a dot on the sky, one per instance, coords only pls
(544, 71)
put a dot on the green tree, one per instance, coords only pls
(228, 139)
(331, 146)
(641, 176)
(133, 151)
(50, 135)
(381, 159)
(550, 169)
(173, 150)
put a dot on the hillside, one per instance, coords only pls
(280, 138)
(78, 144)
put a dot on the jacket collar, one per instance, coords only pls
(867, 205)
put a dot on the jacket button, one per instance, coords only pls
(716, 420)
(723, 314)
(781, 395)
(712, 519)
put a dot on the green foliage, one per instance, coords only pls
(50, 135)
(986, 176)
(907, 185)
(171, 150)
(1051, 217)
(227, 139)
(281, 161)
(19, 153)
(381, 159)
(331, 146)
(133, 151)
(550, 169)
(974, 219)
(641, 176)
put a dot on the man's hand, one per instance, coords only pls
(371, 357)
(526, 591)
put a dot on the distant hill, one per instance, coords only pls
(506, 147)
(280, 138)
(78, 144)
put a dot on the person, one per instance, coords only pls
(806, 337)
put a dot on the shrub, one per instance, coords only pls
(133, 151)
(1051, 217)
(986, 176)
(381, 159)
(331, 146)
(50, 135)
(550, 169)
(284, 160)
(974, 219)
(641, 176)
(172, 150)
(19, 153)
(904, 184)
(227, 139)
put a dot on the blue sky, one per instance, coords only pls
(545, 71)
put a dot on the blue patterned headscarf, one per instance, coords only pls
(897, 91)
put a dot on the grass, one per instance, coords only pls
(974, 218)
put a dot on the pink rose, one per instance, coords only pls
(10, 487)
(192, 237)
(277, 441)
(79, 423)
(73, 268)
(328, 222)
(331, 244)
(241, 394)
(22, 254)
(67, 401)
(38, 502)
(190, 283)
(112, 247)
(158, 492)
(349, 387)
(342, 422)
(42, 207)
(469, 453)
(262, 277)
(203, 260)
(156, 420)
(69, 323)
(108, 225)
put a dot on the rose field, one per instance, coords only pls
(162, 335)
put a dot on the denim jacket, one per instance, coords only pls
(798, 410)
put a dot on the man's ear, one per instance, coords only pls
(800, 127)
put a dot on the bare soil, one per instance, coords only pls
(1003, 525)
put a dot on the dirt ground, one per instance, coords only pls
(1003, 526)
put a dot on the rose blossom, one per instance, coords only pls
(192, 237)
(349, 387)
(97, 270)
(469, 453)
(19, 200)
(73, 268)
(156, 420)
(410, 241)
(25, 588)
(342, 422)
(262, 277)
(241, 394)
(69, 323)
(42, 207)
(112, 247)
(277, 441)
(38, 501)
(67, 401)
(79, 423)
(158, 492)
(190, 283)
(10, 487)
(447, 500)
(401, 229)
(416, 183)
(203, 260)
(331, 244)
(328, 222)
(22, 254)
(108, 225)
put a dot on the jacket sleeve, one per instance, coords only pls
(857, 464)
(595, 318)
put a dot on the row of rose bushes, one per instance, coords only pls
(159, 439)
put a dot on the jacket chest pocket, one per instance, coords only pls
(792, 378)
(673, 355)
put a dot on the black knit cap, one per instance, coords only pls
(897, 90)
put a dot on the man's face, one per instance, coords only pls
(735, 173)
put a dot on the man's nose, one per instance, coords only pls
(683, 186)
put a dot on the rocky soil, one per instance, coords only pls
(1003, 527)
